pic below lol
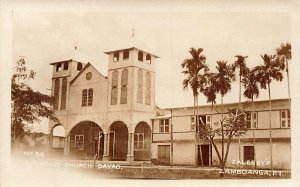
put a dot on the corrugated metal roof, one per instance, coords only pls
(163, 117)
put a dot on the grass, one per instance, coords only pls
(184, 173)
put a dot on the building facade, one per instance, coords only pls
(115, 118)
(106, 116)
(174, 142)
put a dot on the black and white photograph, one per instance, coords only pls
(111, 93)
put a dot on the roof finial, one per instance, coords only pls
(75, 46)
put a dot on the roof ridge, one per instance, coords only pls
(84, 67)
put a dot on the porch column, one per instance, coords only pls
(67, 145)
(132, 145)
(106, 147)
(130, 148)
(50, 140)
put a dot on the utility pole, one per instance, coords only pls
(171, 123)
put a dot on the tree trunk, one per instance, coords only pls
(240, 100)
(254, 141)
(227, 151)
(195, 121)
(211, 124)
(240, 92)
(197, 129)
(270, 124)
(222, 131)
(288, 80)
(216, 149)
(14, 138)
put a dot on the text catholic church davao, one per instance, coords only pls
(115, 118)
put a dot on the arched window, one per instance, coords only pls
(114, 95)
(148, 96)
(123, 95)
(114, 89)
(124, 82)
(63, 94)
(148, 89)
(140, 87)
(90, 97)
(116, 57)
(148, 59)
(140, 56)
(124, 77)
(148, 80)
(115, 78)
(56, 94)
(84, 97)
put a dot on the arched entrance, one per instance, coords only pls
(86, 141)
(57, 140)
(118, 141)
(142, 141)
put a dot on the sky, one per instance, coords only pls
(45, 37)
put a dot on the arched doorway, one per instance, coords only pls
(142, 141)
(86, 141)
(57, 140)
(118, 141)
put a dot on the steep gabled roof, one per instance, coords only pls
(82, 70)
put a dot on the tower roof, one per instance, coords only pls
(121, 49)
(74, 55)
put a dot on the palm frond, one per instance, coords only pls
(192, 69)
(270, 70)
(285, 50)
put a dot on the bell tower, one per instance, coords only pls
(62, 74)
(131, 80)
(130, 98)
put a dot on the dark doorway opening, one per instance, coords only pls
(163, 155)
(85, 142)
(118, 141)
(204, 155)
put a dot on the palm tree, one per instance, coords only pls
(241, 64)
(223, 79)
(243, 69)
(271, 69)
(284, 53)
(210, 93)
(195, 79)
(211, 90)
(250, 82)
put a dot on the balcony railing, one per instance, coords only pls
(190, 135)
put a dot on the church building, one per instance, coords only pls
(106, 116)
(115, 118)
